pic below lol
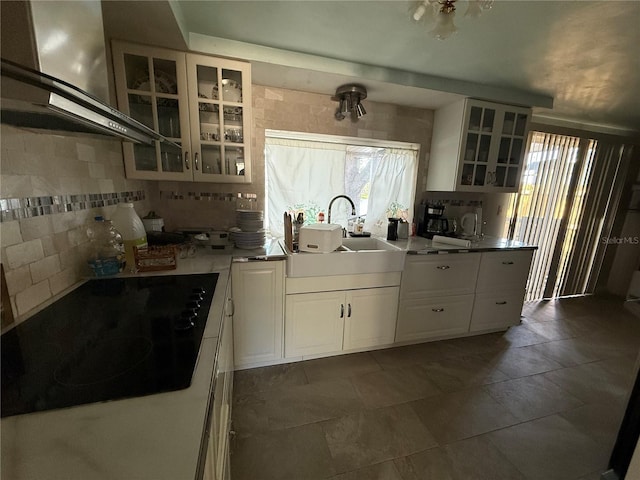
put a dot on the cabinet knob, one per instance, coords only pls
(195, 161)
(186, 160)
(437, 310)
(443, 267)
(501, 303)
(507, 263)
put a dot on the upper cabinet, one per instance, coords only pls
(201, 103)
(478, 147)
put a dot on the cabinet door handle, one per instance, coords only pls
(507, 263)
(443, 267)
(232, 308)
(195, 161)
(349, 311)
(501, 303)
(437, 310)
(186, 160)
(342, 310)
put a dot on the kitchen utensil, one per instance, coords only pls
(288, 232)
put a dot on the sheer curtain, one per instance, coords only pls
(304, 175)
(301, 176)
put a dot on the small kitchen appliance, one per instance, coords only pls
(431, 221)
(320, 237)
(108, 339)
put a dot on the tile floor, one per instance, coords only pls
(542, 401)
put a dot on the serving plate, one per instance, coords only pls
(231, 91)
(164, 83)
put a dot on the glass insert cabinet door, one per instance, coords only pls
(152, 89)
(220, 116)
(511, 149)
(480, 127)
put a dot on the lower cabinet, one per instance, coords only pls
(434, 317)
(496, 310)
(217, 465)
(258, 295)
(329, 322)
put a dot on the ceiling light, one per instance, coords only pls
(445, 11)
(349, 97)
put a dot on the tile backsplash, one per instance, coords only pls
(51, 186)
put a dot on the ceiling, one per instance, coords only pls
(572, 61)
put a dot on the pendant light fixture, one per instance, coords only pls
(349, 97)
(443, 13)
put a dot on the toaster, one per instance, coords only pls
(320, 238)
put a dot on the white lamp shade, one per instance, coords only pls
(444, 26)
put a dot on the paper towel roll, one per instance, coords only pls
(458, 242)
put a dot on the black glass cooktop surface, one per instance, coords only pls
(108, 339)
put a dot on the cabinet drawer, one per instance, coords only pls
(504, 270)
(439, 275)
(433, 317)
(496, 310)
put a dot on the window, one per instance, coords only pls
(304, 172)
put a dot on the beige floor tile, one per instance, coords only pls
(521, 361)
(340, 366)
(374, 436)
(600, 421)
(470, 459)
(415, 354)
(568, 352)
(288, 407)
(457, 373)
(532, 397)
(296, 453)
(264, 378)
(549, 448)
(381, 471)
(393, 386)
(454, 416)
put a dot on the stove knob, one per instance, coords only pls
(199, 290)
(193, 305)
(185, 321)
(196, 297)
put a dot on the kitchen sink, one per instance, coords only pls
(355, 256)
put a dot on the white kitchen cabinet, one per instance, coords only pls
(258, 296)
(371, 317)
(502, 278)
(199, 102)
(314, 323)
(217, 466)
(433, 317)
(478, 146)
(436, 295)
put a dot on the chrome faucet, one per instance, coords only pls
(353, 207)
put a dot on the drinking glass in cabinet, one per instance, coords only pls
(168, 118)
(211, 160)
(233, 135)
(234, 161)
(171, 158)
(145, 157)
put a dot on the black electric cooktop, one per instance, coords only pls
(108, 339)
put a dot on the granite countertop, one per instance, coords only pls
(424, 246)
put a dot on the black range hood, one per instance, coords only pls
(54, 74)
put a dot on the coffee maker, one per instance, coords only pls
(431, 221)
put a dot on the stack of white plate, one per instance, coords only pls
(249, 220)
(249, 234)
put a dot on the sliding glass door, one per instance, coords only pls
(569, 187)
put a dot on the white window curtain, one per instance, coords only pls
(305, 175)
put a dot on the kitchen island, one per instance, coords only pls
(159, 436)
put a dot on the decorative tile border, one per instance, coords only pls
(28, 207)
(208, 196)
(458, 203)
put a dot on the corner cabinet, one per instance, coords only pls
(478, 146)
(200, 103)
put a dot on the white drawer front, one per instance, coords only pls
(496, 310)
(504, 270)
(438, 275)
(433, 317)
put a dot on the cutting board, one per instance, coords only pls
(288, 231)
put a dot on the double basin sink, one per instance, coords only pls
(355, 256)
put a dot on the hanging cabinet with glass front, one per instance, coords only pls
(201, 103)
(478, 146)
